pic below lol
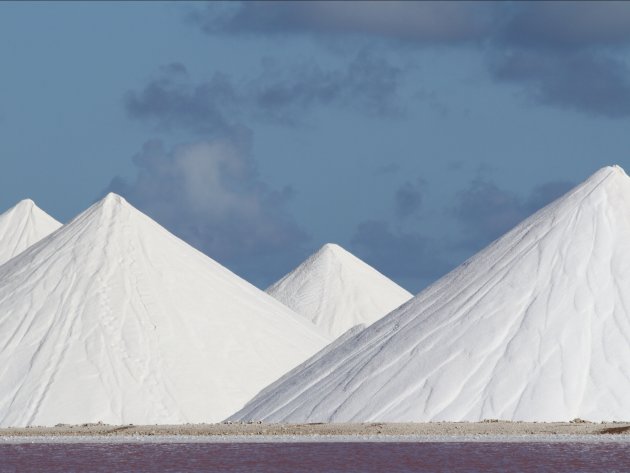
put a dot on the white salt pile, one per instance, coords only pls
(114, 319)
(336, 290)
(22, 226)
(535, 327)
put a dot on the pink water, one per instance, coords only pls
(317, 457)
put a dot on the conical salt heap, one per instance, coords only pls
(336, 291)
(114, 319)
(22, 226)
(536, 327)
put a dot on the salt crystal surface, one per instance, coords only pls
(534, 327)
(114, 319)
(336, 291)
(22, 226)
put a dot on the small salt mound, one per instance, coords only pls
(536, 327)
(336, 291)
(114, 319)
(22, 226)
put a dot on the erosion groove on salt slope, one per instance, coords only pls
(114, 319)
(534, 327)
(336, 291)
(22, 226)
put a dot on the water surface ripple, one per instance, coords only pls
(317, 457)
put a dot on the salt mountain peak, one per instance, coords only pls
(115, 306)
(535, 327)
(21, 226)
(336, 290)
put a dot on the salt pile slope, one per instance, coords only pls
(535, 327)
(336, 291)
(114, 319)
(21, 226)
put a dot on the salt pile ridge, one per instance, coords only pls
(22, 226)
(114, 319)
(535, 327)
(336, 290)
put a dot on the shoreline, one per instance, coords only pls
(489, 431)
(255, 439)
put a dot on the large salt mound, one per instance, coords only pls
(336, 291)
(22, 226)
(535, 327)
(114, 319)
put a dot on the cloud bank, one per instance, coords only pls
(210, 195)
(172, 99)
(571, 55)
(433, 22)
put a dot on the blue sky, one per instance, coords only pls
(412, 134)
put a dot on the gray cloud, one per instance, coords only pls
(583, 81)
(432, 22)
(408, 198)
(368, 84)
(567, 55)
(209, 194)
(173, 100)
(568, 25)
(486, 211)
(564, 54)
(408, 257)
(540, 25)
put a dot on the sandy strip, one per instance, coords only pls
(230, 439)
(118, 439)
(491, 431)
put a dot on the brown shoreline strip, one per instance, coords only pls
(385, 429)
